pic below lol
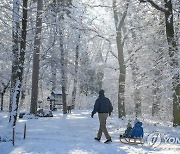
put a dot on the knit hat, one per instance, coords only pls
(129, 125)
(101, 92)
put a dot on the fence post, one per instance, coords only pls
(24, 131)
(13, 136)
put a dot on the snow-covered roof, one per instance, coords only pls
(57, 92)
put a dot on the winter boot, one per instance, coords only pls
(97, 139)
(108, 141)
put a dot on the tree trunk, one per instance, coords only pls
(15, 81)
(35, 73)
(63, 63)
(15, 50)
(53, 69)
(53, 59)
(2, 101)
(120, 45)
(18, 62)
(121, 90)
(23, 43)
(63, 73)
(75, 72)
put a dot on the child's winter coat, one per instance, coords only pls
(137, 130)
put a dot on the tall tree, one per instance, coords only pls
(18, 58)
(120, 44)
(63, 61)
(23, 43)
(76, 71)
(35, 73)
(15, 54)
(173, 54)
(63, 70)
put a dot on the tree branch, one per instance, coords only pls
(154, 5)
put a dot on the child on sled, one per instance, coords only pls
(128, 129)
(135, 132)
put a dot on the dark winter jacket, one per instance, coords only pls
(102, 105)
(127, 131)
(137, 130)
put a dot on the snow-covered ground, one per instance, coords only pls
(74, 134)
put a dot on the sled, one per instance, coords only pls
(128, 140)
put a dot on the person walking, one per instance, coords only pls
(104, 108)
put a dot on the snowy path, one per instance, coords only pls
(71, 134)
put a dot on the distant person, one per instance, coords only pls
(104, 108)
(69, 108)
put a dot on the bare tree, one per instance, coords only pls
(63, 71)
(120, 44)
(15, 53)
(35, 73)
(76, 72)
(18, 58)
(63, 61)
